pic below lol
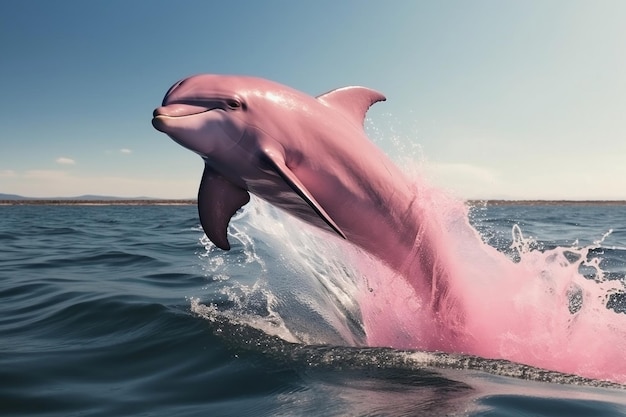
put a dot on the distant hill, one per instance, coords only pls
(87, 197)
(12, 197)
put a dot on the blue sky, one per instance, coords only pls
(513, 99)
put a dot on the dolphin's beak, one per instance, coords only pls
(180, 110)
(175, 110)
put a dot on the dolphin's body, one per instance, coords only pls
(308, 156)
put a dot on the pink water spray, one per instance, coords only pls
(490, 306)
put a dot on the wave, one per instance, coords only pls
(424, 366)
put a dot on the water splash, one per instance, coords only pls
(545, 308)
(307, 283)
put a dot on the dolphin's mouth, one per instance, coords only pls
(180, 110)
(170, 111)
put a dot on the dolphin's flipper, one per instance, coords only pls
(278, 164)
(353, 102)
(218, 200)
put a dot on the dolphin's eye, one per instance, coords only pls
(233, 104)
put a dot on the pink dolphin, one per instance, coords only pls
(306, 155)
(310, 157)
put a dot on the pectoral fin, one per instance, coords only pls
(218, 200)
(277, 163)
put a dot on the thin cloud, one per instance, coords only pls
(466, 180)
(65, 161)
(7, 173)
(54, 183)
(126, 151)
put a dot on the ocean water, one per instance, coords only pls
(129, 310)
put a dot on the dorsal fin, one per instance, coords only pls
(353, 102)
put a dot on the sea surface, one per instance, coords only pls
(129, 310)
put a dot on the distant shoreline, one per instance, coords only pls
(546, 202)
(187, 202)
(121, 202)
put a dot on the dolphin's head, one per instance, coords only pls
(244, 129)
(203, 113)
